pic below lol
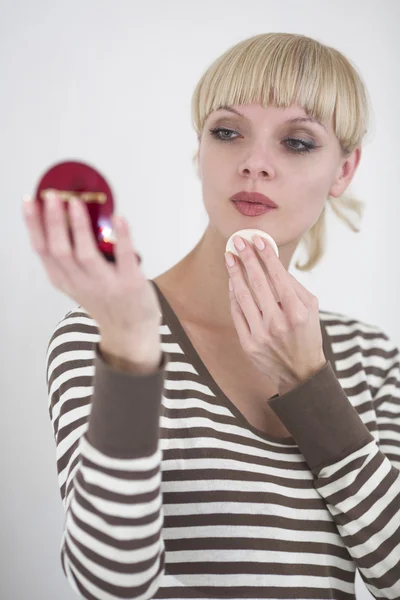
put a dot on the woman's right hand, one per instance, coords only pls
(116, 295)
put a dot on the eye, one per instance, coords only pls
(216, 131)
(307, 146)
(220, 134)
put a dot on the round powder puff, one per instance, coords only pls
(248, 234)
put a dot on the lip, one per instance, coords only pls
(251, 209)
(254, 197)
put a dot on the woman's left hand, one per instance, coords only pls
(283, 339)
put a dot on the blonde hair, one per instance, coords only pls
(286, 68)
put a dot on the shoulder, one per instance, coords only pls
(351, 336)
(73, 338)
(75, 324)
(337, 323)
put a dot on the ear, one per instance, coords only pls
(346, 173)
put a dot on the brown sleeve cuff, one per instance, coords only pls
(125, 413)
(321, 419)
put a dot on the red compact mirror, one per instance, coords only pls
(72, 178)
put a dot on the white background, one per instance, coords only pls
(109, 82)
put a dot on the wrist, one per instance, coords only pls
(128, 355)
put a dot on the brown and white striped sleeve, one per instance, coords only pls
(106, 429)
(357, 475)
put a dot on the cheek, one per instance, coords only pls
(307, 207)
(305, 201)
(311, 188)
(216, 172)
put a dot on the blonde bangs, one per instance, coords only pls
(283, 69)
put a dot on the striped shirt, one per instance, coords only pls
(169, 492)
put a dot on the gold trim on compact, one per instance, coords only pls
(66, 195)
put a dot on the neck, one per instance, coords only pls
(199, 282)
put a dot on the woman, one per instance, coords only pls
(214, 443)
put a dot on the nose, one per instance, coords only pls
(257, 173)
(256, 166)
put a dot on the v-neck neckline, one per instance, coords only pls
(177, 329)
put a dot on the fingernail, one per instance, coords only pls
(27, 198)
(50, 196)
(239, 243)
(259, 242)
(230, 261)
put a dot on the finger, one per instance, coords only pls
(293, 298)
(244, 296)
(55, 223)
(35, 224)
(31, 212)
(126, 259)
(279, 276)
(85, 248)
(258, 279)
(64, 266)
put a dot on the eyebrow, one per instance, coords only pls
(295, 120)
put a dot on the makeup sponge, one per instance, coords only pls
(248, 234)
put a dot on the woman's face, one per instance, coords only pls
(297, 165)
